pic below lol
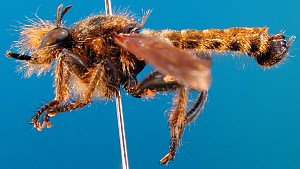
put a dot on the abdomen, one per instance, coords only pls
(255, 42)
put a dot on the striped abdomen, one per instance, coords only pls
(256, 42)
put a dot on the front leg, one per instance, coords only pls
(35, 119)
(57, 109)
(62, 77)
(50, 111)
(66, 63)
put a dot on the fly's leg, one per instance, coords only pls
(79, 103)
(62, 77)
(62, 108)
(35, 119)
(66, 64)
(85, 99)
(180, 117)
(176, 124)
(197, 108)
(155, 82)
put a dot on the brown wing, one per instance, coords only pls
(167, 59)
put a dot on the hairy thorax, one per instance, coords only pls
(93, 44)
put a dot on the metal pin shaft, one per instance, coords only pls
(108, 7)
(121, 126)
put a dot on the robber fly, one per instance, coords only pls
(97, 55)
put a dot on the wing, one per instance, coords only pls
(169, 60)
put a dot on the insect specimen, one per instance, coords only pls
(97, 55)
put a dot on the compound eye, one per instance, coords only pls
(55, 37)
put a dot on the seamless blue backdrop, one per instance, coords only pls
(251, 120)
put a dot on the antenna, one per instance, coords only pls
(119, 109)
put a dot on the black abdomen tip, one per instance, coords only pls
(277, 51)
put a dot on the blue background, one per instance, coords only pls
(251, 120)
